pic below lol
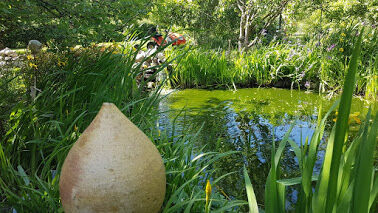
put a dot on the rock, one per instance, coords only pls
(2, 52)
(8, 52)
(140, 56)
(13, 54)
(150, 85)
(35, 46)
(112, 167)
(5, 52)
(9, 59)
(160, 56)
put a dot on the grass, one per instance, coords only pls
(345, 183)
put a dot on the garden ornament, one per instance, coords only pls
(112, 167)
(34, 46)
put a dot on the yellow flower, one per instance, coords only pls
(72, 49)
(341, 39)
(29, 57)
(208, 192)
(343, 34)
(341, 49)
(61, 63)
(75, 128)
(352, 117)
(33, 65)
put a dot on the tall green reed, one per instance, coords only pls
(279, 65)
(201, 69)
(40, 132)
(187, 170)
(345, 183)
(275, 65)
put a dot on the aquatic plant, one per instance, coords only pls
(278, 65)
(346, 182)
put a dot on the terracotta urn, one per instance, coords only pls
(112, 167)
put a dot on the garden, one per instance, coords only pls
(253, 106)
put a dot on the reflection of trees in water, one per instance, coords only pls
(223, 130)
(213, 117)
(245, 122)
(255, 143)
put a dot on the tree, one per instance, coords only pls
(67, 22)
(220, 20)
(255, 17)
(211, 22)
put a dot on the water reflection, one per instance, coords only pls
(246, 121)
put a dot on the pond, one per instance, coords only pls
(247, 120)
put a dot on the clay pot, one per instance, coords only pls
(113, 167)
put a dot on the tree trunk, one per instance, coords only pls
(245, 8)
(241, 33)
(246, 31)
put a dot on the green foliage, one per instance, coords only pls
(341, 127)
(251, 194)
(346, 179)
(12, 85)
(39, 133)
(278, 65)
(66, 23)
(187, 173)
(73, 85)
(215, 23)
(198, 68)
(211, 23)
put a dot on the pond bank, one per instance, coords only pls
(276, 65)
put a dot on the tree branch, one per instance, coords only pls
(270, 18)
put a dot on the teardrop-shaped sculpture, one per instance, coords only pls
(112, 167)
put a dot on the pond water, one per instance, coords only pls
(247, 120)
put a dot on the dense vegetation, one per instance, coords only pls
(64, 23)
(279, 65)
(324, 46)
